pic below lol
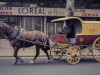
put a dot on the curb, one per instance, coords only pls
(26, 56)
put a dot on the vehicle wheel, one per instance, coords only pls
(73, 55)
(56, 52)
(96, 49)
(85, 52)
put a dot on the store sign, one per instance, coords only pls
(27, 11)
(87, 12)
(31, 10)
(5, 10)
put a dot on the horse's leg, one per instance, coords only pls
(20, 59)
(37, 54)
(46, 52)
(15, 55)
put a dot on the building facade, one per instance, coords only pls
(37, 14)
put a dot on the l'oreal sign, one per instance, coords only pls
(26, 10)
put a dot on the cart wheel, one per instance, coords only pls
(73, 55)
(85, 52)
(96, 49)
(56, 53)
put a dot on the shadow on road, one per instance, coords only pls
(62, 61)
(42, 61)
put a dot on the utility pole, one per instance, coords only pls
(69, 8)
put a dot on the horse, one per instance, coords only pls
(19, 40)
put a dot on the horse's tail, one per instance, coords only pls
(48, 44)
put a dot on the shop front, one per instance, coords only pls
(31, 18)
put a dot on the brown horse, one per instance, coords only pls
(30, 38)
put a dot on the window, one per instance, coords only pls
(33, 23)
(38, 23)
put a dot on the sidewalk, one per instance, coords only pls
(7, 50)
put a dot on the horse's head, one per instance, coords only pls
(1, 25)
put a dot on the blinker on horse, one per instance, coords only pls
(15, 38)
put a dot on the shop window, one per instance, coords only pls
(38, 23)
(33, 23)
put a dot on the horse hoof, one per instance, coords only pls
(21, 61)
(14, 63)
(31, 62)
(48, 61)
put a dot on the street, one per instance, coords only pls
(87, 66)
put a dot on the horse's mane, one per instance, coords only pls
(9, 26)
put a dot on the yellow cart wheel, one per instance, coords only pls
(56, 53)
(96, 49)
(73, 55)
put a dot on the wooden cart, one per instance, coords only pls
(86, 40)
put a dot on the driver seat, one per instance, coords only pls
(71, 36)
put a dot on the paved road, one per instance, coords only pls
(87, 66)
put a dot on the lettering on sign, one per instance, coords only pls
(84, 13)
(57, 12)
(5, 8)
(5, 11)
(49, 12)
(26, 10)
(93, 30)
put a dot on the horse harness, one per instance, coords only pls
(13, 35)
